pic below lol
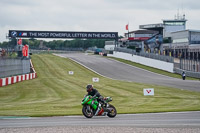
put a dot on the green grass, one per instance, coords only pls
(56, 93)
(175, 75)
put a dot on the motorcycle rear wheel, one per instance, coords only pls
(87, 113)
(113, 112)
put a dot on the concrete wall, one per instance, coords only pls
(166, 66)
(19, 78)
(10, 67)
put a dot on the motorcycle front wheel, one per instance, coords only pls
(112, 111)
(87, 111)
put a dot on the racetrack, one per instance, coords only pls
(160, 122)
(182, 122)
(120, 71)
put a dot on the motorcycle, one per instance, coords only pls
(90, 107)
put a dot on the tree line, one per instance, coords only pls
(56, 44)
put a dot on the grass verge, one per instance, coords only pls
(56, 93)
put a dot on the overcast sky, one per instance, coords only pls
(92, 15)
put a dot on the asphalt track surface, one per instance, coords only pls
(120, 71)
(147, 120)
(174, 121)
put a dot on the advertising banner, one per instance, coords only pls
(63, 34)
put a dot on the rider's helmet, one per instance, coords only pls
(89, 88)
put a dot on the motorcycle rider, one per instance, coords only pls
(94, 93)
(183, 75)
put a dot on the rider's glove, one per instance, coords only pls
(94, 96)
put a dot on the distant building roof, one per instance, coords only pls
(144, 32)
(155, 27)
(151, 26)
(174, 20)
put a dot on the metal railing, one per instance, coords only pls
(187, 73)
(191, 67)
(34, 51)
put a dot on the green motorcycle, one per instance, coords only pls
(91, 107)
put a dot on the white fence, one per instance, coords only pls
(166, 66)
